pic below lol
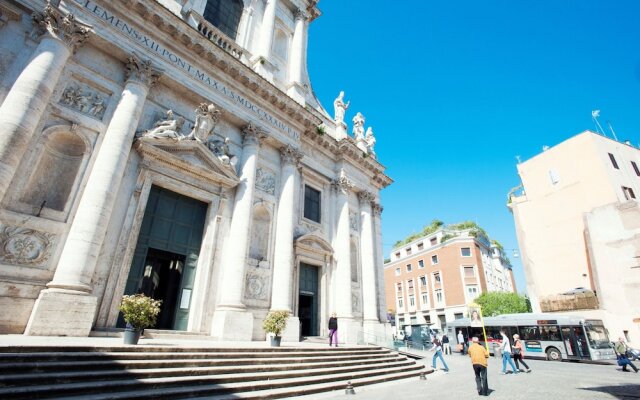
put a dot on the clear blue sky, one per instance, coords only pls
(455, 90)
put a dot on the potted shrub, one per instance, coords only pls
(275, 323)
(139, 312)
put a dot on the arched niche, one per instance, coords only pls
(260, 233)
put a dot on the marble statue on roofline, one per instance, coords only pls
(358, 127)
(169, 127)
(340, 107)
(371, 142)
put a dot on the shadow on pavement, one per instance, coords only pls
(624, 391)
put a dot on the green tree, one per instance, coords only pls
(497, 303)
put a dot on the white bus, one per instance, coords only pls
(555, 337)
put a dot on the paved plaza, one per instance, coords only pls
(550, 380)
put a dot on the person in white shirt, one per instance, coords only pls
(506, 354)
(461, 342)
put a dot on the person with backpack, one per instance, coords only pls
(445, 344)
(437, 347)
(518, 352)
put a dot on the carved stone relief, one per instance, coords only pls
(355, 302)
(353, 221)
(265, 181)
(22, 246)
(257, 287)
(85, 99)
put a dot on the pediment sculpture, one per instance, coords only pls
(166, 128)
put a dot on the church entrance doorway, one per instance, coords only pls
(166, 255)
(308, 300)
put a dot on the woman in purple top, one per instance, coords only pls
(333, 330)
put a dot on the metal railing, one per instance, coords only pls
(215, 35)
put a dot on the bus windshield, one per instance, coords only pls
(598, 338)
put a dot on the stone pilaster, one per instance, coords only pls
(231, 321)
(342, 248)
(81, 250)
(367, 255)
(60, 35)
(296, 59)
(261, 60)
(377, 224)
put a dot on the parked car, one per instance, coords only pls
(576, 291)
(633, 354)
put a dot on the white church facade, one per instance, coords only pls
(175, 148)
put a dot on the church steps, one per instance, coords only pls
(262, 369)
(68, 377)
(43, 366)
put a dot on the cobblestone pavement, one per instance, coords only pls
(553, 380)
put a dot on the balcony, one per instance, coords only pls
(215, 35)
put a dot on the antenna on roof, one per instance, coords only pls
(612, 131)
(594, 115)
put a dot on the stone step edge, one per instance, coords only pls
(119, 374)
(285, 388)
(193, 382)
(176, 349)
(129, 364)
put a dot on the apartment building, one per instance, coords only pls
(578, 222)
(432, 279)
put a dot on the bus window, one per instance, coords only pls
(530, 333)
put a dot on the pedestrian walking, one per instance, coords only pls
(506, 354)
(621, 353)
(518, 352)
(445, 344)
(437, 347)
(333, 330)
(479, 357)
(461, 344)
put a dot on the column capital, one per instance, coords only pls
(290, 155)
(342, 184)
(61, 26)
(366, 197)
(253, 134)
(300, 15)
(142, 71)
(377, 208)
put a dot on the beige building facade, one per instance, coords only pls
(432, 279)
(176, 149)
(576, 218)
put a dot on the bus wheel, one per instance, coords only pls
(554, 354)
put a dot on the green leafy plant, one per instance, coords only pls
(497, 303)
(275, 322)
(320, 130)
(139, 310)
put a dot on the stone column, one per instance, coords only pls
(71, 283)
(379, 264)
(283, 257)
(367, 251)
(296, 59)
(261, 59)
(283, 260)
(342, 248)
(22, 109)
(231, 321)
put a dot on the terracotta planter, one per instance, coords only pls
(132, 335)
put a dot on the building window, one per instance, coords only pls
(468, 272)
(408, 251)
(224, 15)
(311, 203)
(423, 281)
(397, 271)
(420, 246)
(412, 301)
(434, 241)
(410, 284)
(439, 296)
(436, 277)
(458, 316)
(553, 175)
(399, 287)
(635, 168)
(472, 292)
(408, 267)
(420, 263)
(465, 251)
(400, 303)
(434, 259)
(398, 255)
(425, 298)
(613, 161)
(628, 193)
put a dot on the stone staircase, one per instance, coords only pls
(164, 372)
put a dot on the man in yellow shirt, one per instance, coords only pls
(479, 357)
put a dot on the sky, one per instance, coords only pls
(455, 91)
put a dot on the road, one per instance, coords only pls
(553, 380)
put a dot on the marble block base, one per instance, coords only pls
(62, 313)
(349, 331)
(235, 326)
(373, 332)
(292, 331)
